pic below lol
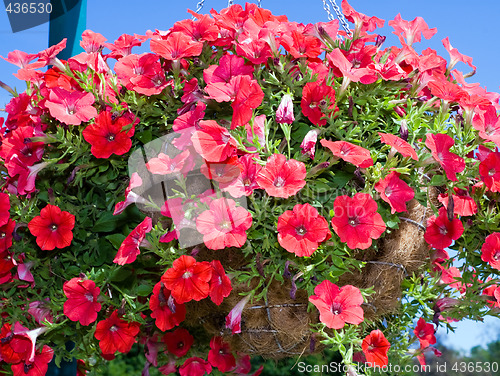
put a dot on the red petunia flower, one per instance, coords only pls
(302, 229)
(187, 279)
(109, 135)
(226, 172)
(224, 224)
(441, 232)
(195, 367)
(129, 249)
(493, 293)
(375, 347)
(213, 142)
(425, 333)
(13, 348)
(399, 144)
(314, 102)
(351, 153)
(356, 220)
(395, 192)
(490, 251)
(439, 145)
(82, 304)
(39, 365)
(338, 306)
(6, 235)
(246, 182)
(282, 178)
(489, 169)
(220, 284)
(176, 46)
(52, 228)
(115, 334)
(463, 204)
(167, 312)
(71, 107)
(178, 342)
(220, 355)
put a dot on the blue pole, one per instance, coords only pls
(70, 23)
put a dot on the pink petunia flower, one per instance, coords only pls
(490, 251)
(338, 306)
(224, 224)
(71, 107)
(351, 153)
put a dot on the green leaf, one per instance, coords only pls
(145, 136)
(116, 240)
(144, 290)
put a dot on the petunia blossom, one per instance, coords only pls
(71, 107)
(115, 334)
(220, 284)
(375, 347)
(399, 144)
(82, 300)
(489, 170)
(439, 145)
(351, 153)
(195, 367)
(129, 249)
(110, 134)
(441, 232)
(425, 333)
(178, 342)
(490, 251)
(356, 220)
(164, 309)
(281, 177)
(302, 229)
(224, 224)
(213, 142)
(338, 306)
(220, 355)
(395, 192)
(187, 279)
(52, 228)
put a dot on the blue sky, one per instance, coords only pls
(471, 26)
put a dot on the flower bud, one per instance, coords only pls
(309, 143)
(403, 131)
(284, 114)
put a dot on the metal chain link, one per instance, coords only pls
(339, 14)
(199, 5)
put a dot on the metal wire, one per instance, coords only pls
(338, 12)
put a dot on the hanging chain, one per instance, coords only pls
(339, 14)
(199, 5)
(229, 3)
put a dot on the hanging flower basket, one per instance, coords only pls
(249, 186)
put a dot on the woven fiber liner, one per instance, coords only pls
(279, 327)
